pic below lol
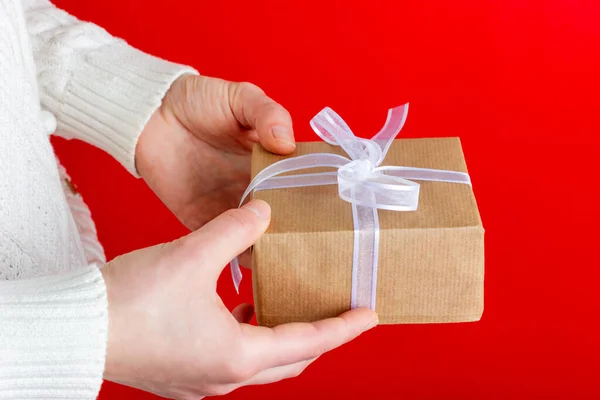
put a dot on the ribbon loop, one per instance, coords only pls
(332, 129)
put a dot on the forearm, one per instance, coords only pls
(53, 334)
(100, 89)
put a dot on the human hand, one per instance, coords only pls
(170, 333)
(194, 153)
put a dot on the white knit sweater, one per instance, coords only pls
(58, 72)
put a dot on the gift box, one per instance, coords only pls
(413, 260)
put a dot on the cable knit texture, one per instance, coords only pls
(100, 88)
(58, 72)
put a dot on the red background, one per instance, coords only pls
(516, 80)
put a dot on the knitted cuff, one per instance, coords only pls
(53, 334)
(113, 94)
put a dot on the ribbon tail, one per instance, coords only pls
(236, 274)
(394, 123)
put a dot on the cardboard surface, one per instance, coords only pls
(431, 265)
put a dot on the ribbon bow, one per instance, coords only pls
(362, 182)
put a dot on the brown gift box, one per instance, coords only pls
(431, 262)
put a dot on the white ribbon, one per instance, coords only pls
(362, 182)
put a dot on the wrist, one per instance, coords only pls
(113, 365)
(155, 133)
(105, 271)
(144, 158)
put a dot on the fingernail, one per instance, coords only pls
(372, 324)
(283, 134)
(260, 208)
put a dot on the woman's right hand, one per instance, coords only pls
(170, 334)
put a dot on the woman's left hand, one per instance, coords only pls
(194, 153)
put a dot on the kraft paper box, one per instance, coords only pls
(367, 235)
(431, 263)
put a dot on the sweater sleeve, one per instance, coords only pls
(53, 334)
(100, 89)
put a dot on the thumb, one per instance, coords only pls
(255, 110)
(230, 234)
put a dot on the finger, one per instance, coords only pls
(277, 374)
(295, 342)
(228, 235)
(255, 110)
(243, 313)
(246, 259)
(253, 137)
(271, 375)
